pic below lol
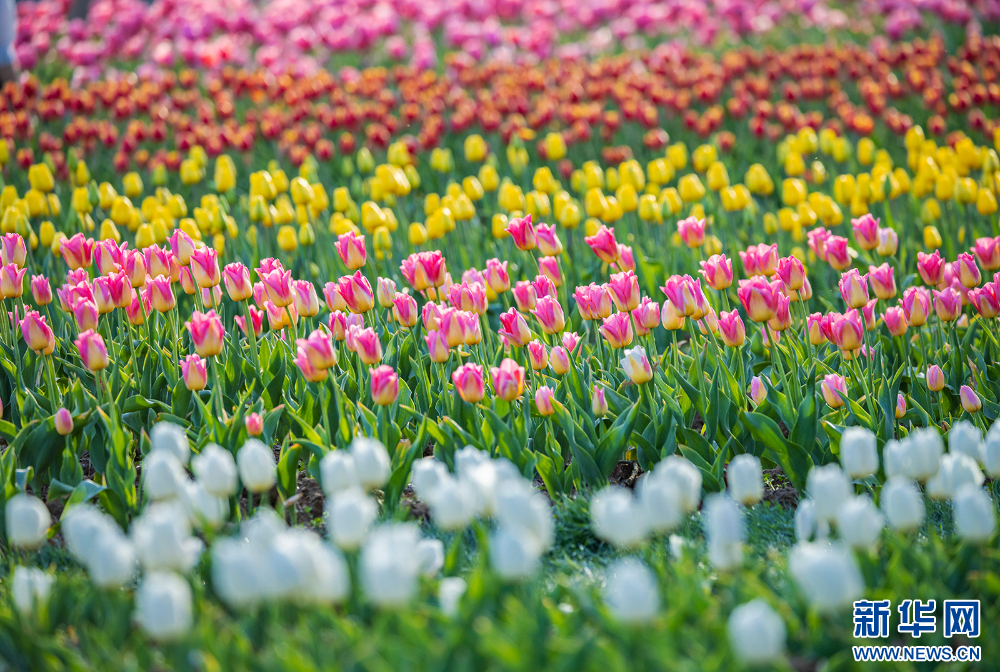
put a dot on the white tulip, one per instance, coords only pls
(239, 575)
(826, 573)
(966, 438)
(955, 470)
(631, 591)
(204, 509)
(859, 523)
(807, 526)
(82, 526)
(902, 504)
(991, 451)
(617, 518)
(829, 488)
(257, 467)
(925, 450)
(112, 560)
(304, 570)
(895, 458)
(390, 564)
(452, 504)
(468, 458)
(686, 478)
(975, 515)
(481, 480)
(337, 472)
(430, 554)
(520, 508)
(30, 588)
(514, 553)
(745, 479)
(28, 521)
(162, 538)
(757, 633)
(215, 469)
(858, 452)
(426, 474)
(660, 499)
(263, 528)
(371, 461)
(163, 476)
(163, 606)
(450, 594)
(172, 438)
(351, 514)
(724, 531)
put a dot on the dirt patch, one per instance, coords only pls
(625, 474)
(779, 490)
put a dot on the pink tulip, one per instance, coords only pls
(37, 334)
(318, 348)
(236, 277)
(161, 294)
(570, 339)
(437, 346)
(182, 246)
(77, 251)
(834, 390)
(814, 326)
(469, 297)
(278, 286)
(469, 384)
(685, 294)
(598, 402)
(717, 271)
(134, 265)
(548, 242)
(838, 254)
(758, 393)
(549, 267)
(431, 316)
(92, 351)
(334, 301)
(514, 328)
(559, 360)
(41, 290)
(211, 297)
(496, 276)
(604, 245)
(847, 331)
(935, 378)
(900, 406)
(207, 333)
(967, 271)
(970, 400)
(194, 370)
(617, 330)
(544, 287)
(931, 267)
(508, 380)
(134, 312)
(544, 396)
(947, 304)
(866, 231)
(63, 422)
(473, 331)
(357, 292)
(760, 259)
(385, 385)
(304, 298)
(12, 249)
(424, 269)
(108, 256)
(337, 324)
(538, 355)
(158, 261)
(731, 329)
(525, 296)
(593, 301)
(895, 320)
(636, 365)
(254, 424)
(86, 314)
(549, 313)
(12, 281)
(404, 309)
(853, 288)
(888, 242)
(759, 299)
(452, 326)
(268, 265)
(351, 248)
(309, 372)
(385, 292)
(256, 318)
(522, 232)
(883, 281)
(792, 273)
(916, 303)
(624, 288)
(782, 318)
(671, 318)
(692, 231)
(626, 259)
(646, 316)
(987, 251)
(817, 241)
(985, 300)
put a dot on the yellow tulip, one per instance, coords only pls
(670, 202)
(730, 199)
(677, 155)
(591, 225)
(630, 172)
(627, 197)
(262, 185)
(555, 146)
(932, 237)
(191, 172)
(46, 233)
(499, 226)
(788, 219)
(488, 177)
(703, 157)
(55, 205)
(593, 176)
(794, 165)
(40, 177)
(717, 176)
(612, 179)
(372, 216)
(464, 210)
(691, 189)
(543, 181)
(121, 211)
(841, 150)
(649, 209)
(966, 190)
(830, 212)
(866, 151)
(660, 171)
(472, 188)
(986, 202)
(37, 205)
(441, 160)
(109, 231)
(930, 211)
(417, 234)
(511, 197)
(614, 210)
(595, 203)
(570, 216)
(559, 200)
(771, 223)
(225, 173)
(144, 237)
(57, 242)
(399, 154)
(793, 191)
(914, 137)
(944, 187)
(807, 216)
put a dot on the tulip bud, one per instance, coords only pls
(970, 400)
(63, 421)
(935, 378)
(254, 424)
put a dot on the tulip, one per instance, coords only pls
(41, 290)
(692, 231)
(431, 316)
(792, 273)
(935, 378)
(424, 270)
(309, 372)
(496, 276)
(671, 318)
(593, 301)
(514, 328)
(883, 281)
(237, 280)
(357, 292)
(987, 251)
(37, 334)
(895, 320)
(931, 267)
(437, 346)
(119, 289)
(404, 309)
(916, 304)
(548, 242)
(544, 396)
(646, 315)
(757, 633)
(108, 256)
(782, 318)
(368, 346)
(759, 299)
(207, 333)
(525, 295)
(278, 286)
(847, 331)
(205, 267)
(967, 271)
(900, 406)
(195, 373)
(538, 355)
(625, 290)
(385, 385)
(318, 348)
(522, 232)
(853, 288)
(508, 380)
(385, 292)
(758, 393)
(182, 246)
(636, 365)
(86, 314)
(626, 258)
(254, 424)
(63, 421)
(77, 251)
(102, 296)
(452, 324)
(304, 298)
(604, 245)
(684, 292)
(549, 313)
(256, 319)
(970, 400)
(838, 254)
(866, 232)
(985, 300)
(814, 325)
(134, 312)
(888, 242)
(549, 267)
(598, 403)
(617, 330)
(12, 249)
(134, 265)
(559, 360)
(11, 281)
(468, 380)
(717, 271)
(92, 350)
(731, 329)
(334, 301)
(834, 390)
(947, 304)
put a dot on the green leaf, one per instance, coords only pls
(288, 469)
(697, 443)
(615, 441)
(82, 493)
(794, 460)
